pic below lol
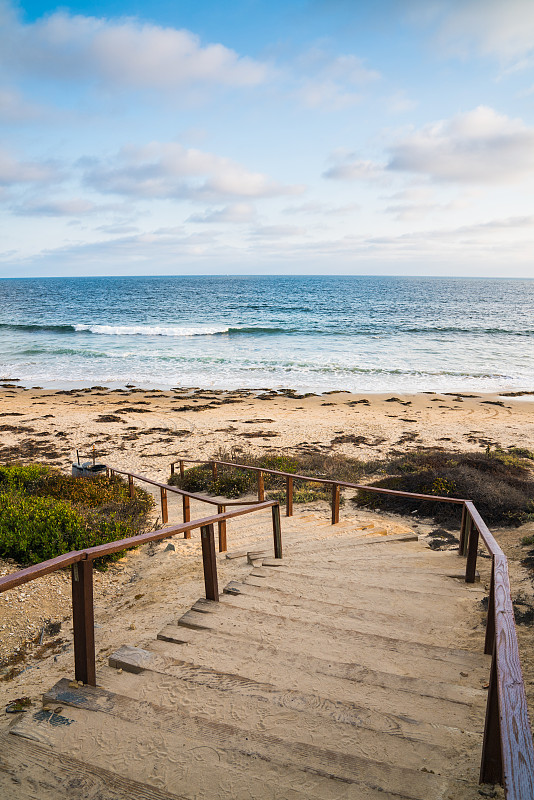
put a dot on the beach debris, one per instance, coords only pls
(17, 705)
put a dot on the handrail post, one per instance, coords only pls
(222, 530)
(463, 530)
(491, 767)
(209, 562)
(164, 511)
(277, 531)
(464, 542)
(261, 487)
(335, 503)
(172, 468)
(107, 472)
(186, 514)
(214, 471)
(83, 622)
(131, 486)
(472, 549)
(289, 496)
(182, 470)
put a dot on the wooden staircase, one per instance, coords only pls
(350, 669)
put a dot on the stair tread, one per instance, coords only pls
(31, 771)
(340, 619)
(229, 747)
(302, 634)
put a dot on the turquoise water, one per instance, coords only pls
(363, 334)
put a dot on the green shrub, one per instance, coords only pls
(500, 484)
(44, 513)
(230, 482)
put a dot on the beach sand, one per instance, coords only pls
(143, 431)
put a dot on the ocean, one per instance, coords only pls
(312, 334)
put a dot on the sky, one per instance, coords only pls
(393, 137)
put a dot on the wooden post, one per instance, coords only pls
(172, 468)
(289, 496)
(209, 562)
(472, 549)
(214, 471)
(182, 470)
(491, 770)
(131, 486)
(489, 642)
(462, 531)
(107, 472)
(261, 487)
(222, 530)
(335, 504)
(83, 622)
(164, 512)
(187, 514)
(277, 531)
(467, 530)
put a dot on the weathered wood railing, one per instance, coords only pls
(186, 501)
(508, 751)
(81, 563)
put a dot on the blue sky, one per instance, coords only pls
(302, 136)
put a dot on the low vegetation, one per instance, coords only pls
(234, 482)
(44, 513)
(499, 482)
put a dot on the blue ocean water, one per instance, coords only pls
(363, 334)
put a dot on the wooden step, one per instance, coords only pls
(231, 746)
(370, 599)
(32, 771)
(168, 759)
(407, 657)
(339, 618)
(392, 585)
(331, 696)
(290, 716)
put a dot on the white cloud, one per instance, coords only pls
(326, 94)
(329, 83)
(502, 28)
(13, 171)
(236, 213)
(417, 202)
(169, 170)
(13, 107)
(125, 53)
(348, 167)
(72, 207)
(278, 231)
(400, 103)
(479, 146)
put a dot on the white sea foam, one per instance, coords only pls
(153, 330)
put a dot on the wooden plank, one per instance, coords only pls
(407, 657)
(516, 737)
(30, 771)
(308, 758)
(345, 712)
(389, 740)
(362, 583)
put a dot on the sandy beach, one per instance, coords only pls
(143, 431)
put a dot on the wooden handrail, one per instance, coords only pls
(508, 750)
(325, 481)
(81, 563)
